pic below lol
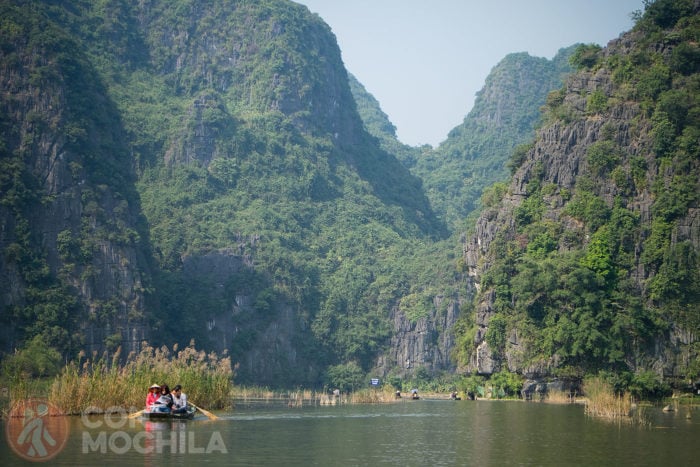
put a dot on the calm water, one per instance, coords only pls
(410, 433)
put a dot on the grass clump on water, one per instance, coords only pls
(603, 401)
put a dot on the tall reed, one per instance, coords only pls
(373, 396)
(20, 388)
(559, 397)
(255, 392)
(601, 400)
(100, 384)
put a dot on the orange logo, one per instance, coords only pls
(36, 430)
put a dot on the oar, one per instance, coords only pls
(205, 412)
(135, 414)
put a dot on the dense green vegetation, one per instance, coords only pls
(267, 154)
(221, 151)
(601, 296)
(56, 101)
(475, 154)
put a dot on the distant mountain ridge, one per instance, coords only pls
(474, 155)
(505, 115)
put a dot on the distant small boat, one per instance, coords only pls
(163, 413)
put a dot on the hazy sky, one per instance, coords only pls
(425, 60)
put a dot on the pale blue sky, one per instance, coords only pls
(425, 60)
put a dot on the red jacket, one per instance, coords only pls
(151, 398)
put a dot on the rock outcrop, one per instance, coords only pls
(425, 343)
(71, 230)
(559, 159)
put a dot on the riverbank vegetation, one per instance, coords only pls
(98, 383)
(300, 397)
(603, 401)
(626, 398)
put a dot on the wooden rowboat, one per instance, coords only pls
(157, 413)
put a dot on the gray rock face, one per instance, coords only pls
(424, 343)
(560, 157)
(73, 223)
(538, 389)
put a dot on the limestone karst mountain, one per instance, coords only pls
(207, 170)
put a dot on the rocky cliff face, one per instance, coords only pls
(424, 343)
(252, 54)
(562, 156)
(71, 231)
(282, 231)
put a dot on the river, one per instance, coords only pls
(406, 433)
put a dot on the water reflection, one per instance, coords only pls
(436, 433)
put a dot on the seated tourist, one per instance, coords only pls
(153, 395)
(179, 400)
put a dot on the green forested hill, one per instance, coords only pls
(505, 114)
(475, 153)
(588, 260)
(277, 226)
(208, 170)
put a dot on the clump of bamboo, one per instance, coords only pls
(100, 384)
(602, 401)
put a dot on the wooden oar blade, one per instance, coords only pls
(135, 414)
(210, 415)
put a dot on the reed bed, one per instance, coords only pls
(255, 393)
(303, 397)
(372, 396)
(601, 400)
(99, 384)
(559, 397)
(292, 398)
(20, 389)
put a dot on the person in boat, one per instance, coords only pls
(179, 400)
(153, 395)
(165, 402)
